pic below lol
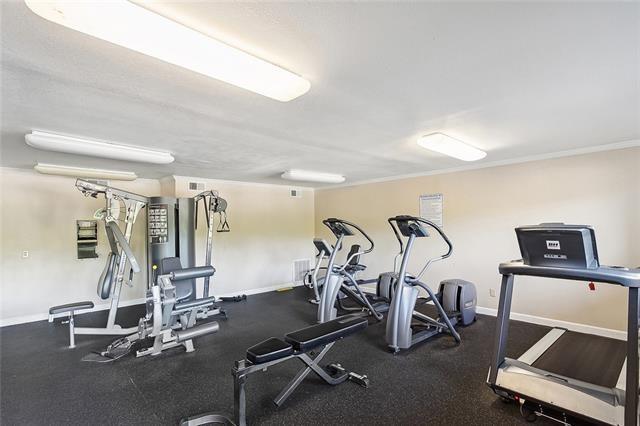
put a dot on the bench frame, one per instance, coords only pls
(244, 367)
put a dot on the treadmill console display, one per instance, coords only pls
(556, 245)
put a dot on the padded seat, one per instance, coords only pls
(321, 334)
(194, 303)
(269, 350)
(70, 307)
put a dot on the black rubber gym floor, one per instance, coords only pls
(438, 382)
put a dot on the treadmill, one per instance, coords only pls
(566, 374)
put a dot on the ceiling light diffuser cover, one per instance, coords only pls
(75, 145)
(132, 26)
(81, 172)
(444, 144)
(308, 176)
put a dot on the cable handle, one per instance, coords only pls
(341, 227)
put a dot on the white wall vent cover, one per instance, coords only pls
(296, 193)
(196, 186)
(300, 268)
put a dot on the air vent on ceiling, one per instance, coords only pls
(301, 267)
(296, 193)
(196, 186)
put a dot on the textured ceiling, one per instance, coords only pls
(514, 79)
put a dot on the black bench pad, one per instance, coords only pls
(269, 350)
(70, 307)
(321, 334)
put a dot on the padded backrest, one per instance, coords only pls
(185, 289)
(356, 259)
(106, 278)
(170, 264)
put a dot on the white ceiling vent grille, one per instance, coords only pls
(196, 186)
(295, 193)
(301, 267)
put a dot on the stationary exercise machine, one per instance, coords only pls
(172, 224)
(173, 306)
(455, 301)
(341, 278)
(172, 312)
(171, 229)
(120, 255)
(567, 374)
(300, 345)
(312, 279)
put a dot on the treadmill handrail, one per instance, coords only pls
(627, 277)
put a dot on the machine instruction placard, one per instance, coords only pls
(431, 208)
(158, 223)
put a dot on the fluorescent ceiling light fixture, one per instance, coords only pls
(307, 176)
(134, 27)
(81, 172)
(439, 142)
(94, 148)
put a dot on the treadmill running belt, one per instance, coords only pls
(586, 357)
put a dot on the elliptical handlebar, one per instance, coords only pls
(409, 226)
(340, 228)
(401, 252)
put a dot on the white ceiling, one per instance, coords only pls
(514, 79)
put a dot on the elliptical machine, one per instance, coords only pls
(311, 279)
(341, 278)
(455, 300)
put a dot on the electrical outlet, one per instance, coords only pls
(25, 254)
(492, 292)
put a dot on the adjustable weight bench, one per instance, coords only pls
(298, 344)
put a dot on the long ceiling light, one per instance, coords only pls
(134, 27)
(439, 142)
(81, 172)
(74, 145)
(307, 176)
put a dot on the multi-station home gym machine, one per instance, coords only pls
(172, 304)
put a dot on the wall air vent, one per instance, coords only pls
(196, 186)
(295, 193)
(301, 267)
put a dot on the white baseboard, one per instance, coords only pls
(40, 317)
(259, 290)
(550, 322)
(104, 306)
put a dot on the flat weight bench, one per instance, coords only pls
(70, 308)
(297, 344)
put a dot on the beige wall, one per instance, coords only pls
(269, 229)
(38, 214)
(483, 206)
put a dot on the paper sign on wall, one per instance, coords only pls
(431, 208)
